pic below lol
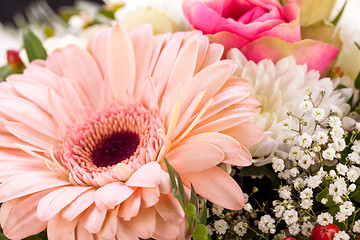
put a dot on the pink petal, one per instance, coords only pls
(112, 194)
(29, 182)
(247, 133)
(82, 233)
(130, 207)
(149, 197)
(187, 158)
(108, 231)
(146, 176)
(59, 228)
(317, 55)
(8, 140)
(93, 219)
(121, 71)
(228, 40)
(18, 217)
(124, 233)
(143, 225)
(243, 159)
(165, 230)
(170, 209)
(54, 202)
(218, 187)
(213, 55)
(79, 205)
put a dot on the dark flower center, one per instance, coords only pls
(115, 148)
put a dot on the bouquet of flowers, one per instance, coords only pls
(217, 119)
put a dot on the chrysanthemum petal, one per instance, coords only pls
(121, 64)
(112, 194)
(80, 204)
(29, 182)
(18, 217)
(59, 227)
(195, 157)
(143, 224)
(247, 133)
(146, 176)
(130, 207)
(54, 202)
(218, 187)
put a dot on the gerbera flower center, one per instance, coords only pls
(132, 136)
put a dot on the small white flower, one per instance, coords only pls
(329, 154)
(217, 210)
(306, 106)
(354, 157)
(324, 201)
(306, 203)
(347, 208)
(335, 122)
(279, 210)
(294, 172)
(221, 226)
(295, 153)
(210, 230)
(337, 132)
(248, 207)
(339, 144)
(313, 181)
(356, 227)
(286, 124)
(325, 219)
(340, 217)
(266, 223)
(273, 231)
(290, 216)
(332, 173)
(298, 183)
(285, 192)
(356, 146)
(353, 173)
(285, 174)
(352, 187)
(246, 197)
(306, 193)
(304, 140)
(341, 169)
(338, 188)
(306, 229)
(318, 113)
(306, 161)
(240, 228)
(278, 164)
(321, 137)
(321, 173)
(294, 229)
(342, 235)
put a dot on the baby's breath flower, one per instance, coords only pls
(221, 226)
(217, 210)
(240, 228)
(341, 169)
(266, 223)
(306, 193)
(339, 144)
(279, 210)
(318, 113)
(278, 164)
(306, 229)
(295, 153)
(304, 140)
(306, 106)
(306, 203)
(353, 173)
(294, 229)
(340, 217)
(335, 122)
(325, 219)
(329, 154)
(347, 208)
(298, 183)
(285, 192)
(352, 187)
(313, 181)
(356, 227)
(306, 161)
(342, 235)
(321, 137)
(290, 216)
(248, 207)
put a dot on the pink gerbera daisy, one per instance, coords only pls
(83, 136)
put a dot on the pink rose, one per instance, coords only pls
(250, 24)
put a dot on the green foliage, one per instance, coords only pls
(337, 18)
(355, 196)
(357, 81)
(196, 221)
(325, 194)
(33, 46)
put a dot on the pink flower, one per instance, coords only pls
(253, 25)
(83, 136)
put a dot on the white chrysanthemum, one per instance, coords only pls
(280, 88)
(163, 15)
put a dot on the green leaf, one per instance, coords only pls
(203, 217)
(107, 13)
(355, 195)
(191, 211)
(337, 18)
(33, 46)
(325, 194)
(171, 174)
(193, 197)
(181, 188)
(357, 81)
(200, 233)
(259, 171)
(357, 45)
(357, 110)
(4, 72)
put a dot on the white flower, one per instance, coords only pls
(210, 230)
(240, 228)
(221, 226)
(217, 210)
(295, 153)
(341, 169)
(325, 219)
(285, 192)
(298, 183)
(306, 229)
(248, 207)
(318, 113)
(321, 137)
(356, 146)
(356, 227)
(313, 181)
(266, 223)
(304, 140)
(340, 217)
(347, 208)
(335, 122)
(278, 164)
(352, 187)
(279, 210)
(306, 193)
(285, 174)
(246, 197)
(353, 173)
(329, 154)
(306, 203)
(280, 89)
(294, 171)
(342, 235)
(339, 144)
(306, 106)
(354, 157)
(290, 216)
(337, 132)
(338, 188)
(306, 161)
(294, 229)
